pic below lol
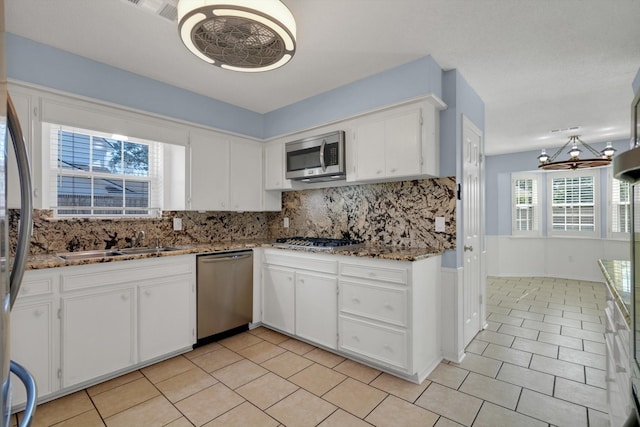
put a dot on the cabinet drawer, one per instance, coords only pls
(32, 286)
(392, 275)
(315, 263)
(375, 342)
(375, 302)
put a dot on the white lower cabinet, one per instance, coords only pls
(300, 296)
(316, 308)
(75, 326)
(161, 333)
(35, 333)
(98, 331)
(278, 299)
(383, 313)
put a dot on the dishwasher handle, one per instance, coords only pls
(223, 257)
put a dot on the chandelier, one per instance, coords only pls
(601, 158)
(238, 35)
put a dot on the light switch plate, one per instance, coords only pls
(440, 224)
(177, 224)
(285, 222)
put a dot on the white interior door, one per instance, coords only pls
(472, 228)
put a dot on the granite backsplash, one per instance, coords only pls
(398, 214)
(395, 213)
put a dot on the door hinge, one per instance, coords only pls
(459, 192)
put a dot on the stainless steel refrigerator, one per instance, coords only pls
(12, 269)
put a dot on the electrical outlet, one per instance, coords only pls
(439, 224)
(177, 224)
(285, 223)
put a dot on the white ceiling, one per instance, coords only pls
(538, 65)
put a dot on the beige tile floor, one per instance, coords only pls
(540, 362)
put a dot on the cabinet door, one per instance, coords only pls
(246, 175)
(317, 308)
(166, 314)
(22, 102)
(369, 150)
(209, 171)
(33, 346)
(98, 334)
(274, 167)
(278, 301)
(403, 145)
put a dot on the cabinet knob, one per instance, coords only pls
(388, 348)
(37, 313)
(388, 307)
(468, 248)
(301, 280)
(378, 172)
(124, 297)
(355, 338)
(394, 170)
(147, 293)
(356, 300)
(372, 274)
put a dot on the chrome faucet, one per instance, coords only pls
(138, 237)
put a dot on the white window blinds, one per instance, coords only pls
(573, 203)
(95, 174)
(525, 198)
(620, 206)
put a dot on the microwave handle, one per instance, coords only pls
(322, 164)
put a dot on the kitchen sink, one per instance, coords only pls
(70, 256)
(89, 254)
(148, 250)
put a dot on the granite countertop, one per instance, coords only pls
(395, 253)
(617, 274)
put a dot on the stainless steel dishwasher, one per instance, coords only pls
(225, 292)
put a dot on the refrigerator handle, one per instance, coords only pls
(30, 385)
(26, 201)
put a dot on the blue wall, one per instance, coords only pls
(46, 66)
(461, 100)
(420, 77)
(498, 187)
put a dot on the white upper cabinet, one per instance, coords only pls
(226, 173)
(24, 105)
(245, 175)
(209, 171)
(275, 166)
(390, 145)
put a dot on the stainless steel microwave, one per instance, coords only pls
(319, 158)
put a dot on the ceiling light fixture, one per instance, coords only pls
(238, 35)
(602, 158)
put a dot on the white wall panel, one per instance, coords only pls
(569, 258)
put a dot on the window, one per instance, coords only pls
(620, 209)
(525, 196)
(573, 208)
(95, 174)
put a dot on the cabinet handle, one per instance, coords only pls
(393, 170)
(37, 313)
(355, 338)
(388, 348)
(356, 300)
(301, 280)
(147, 293)
(620, 368)
(388, 307)
(124, 297)
(372, 274)
(378, 172)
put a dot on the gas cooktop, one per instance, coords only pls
(315, 242)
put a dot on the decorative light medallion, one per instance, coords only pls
(602, 158)
(239, 35)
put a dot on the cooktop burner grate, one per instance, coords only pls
(316, 242)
